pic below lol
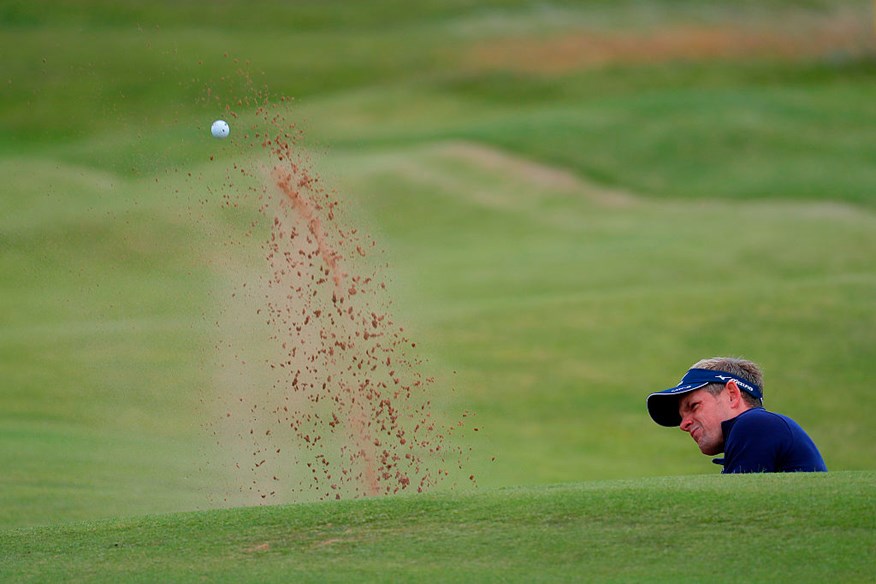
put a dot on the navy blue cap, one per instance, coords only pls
(663, 405)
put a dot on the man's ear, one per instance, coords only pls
(734, 393)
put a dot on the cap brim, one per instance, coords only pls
(663, 405)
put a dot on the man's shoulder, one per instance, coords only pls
(759, 419)
(754, 441)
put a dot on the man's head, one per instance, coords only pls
(712, 391)
(741, 368)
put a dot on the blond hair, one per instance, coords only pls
(742, 368)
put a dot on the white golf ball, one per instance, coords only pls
(220, 129)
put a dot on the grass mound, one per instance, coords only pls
(803, 527)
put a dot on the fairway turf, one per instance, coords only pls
(561, 236)
(756, 528)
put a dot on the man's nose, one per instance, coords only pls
(685, 424)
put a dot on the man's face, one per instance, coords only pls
(701, 417)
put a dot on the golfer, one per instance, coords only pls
(719, 402)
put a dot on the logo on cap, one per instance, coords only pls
(738, 381)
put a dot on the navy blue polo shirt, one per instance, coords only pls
(760, 441)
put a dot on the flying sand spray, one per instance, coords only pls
(350, 404)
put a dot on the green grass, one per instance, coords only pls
(559, 243)
(545, 299)
(795, 528)
(745, 128)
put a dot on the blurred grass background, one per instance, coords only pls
(577, 201)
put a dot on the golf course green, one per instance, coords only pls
(569, 203)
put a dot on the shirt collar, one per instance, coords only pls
(726, 426)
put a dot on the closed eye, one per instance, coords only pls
(687, 407)
(691, 407)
